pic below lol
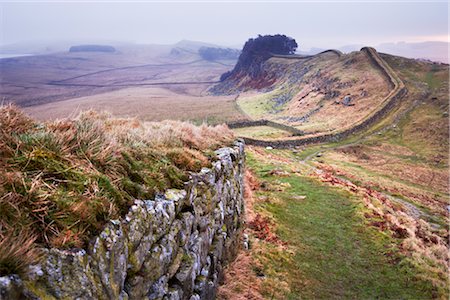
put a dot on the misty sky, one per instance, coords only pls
(320, 24)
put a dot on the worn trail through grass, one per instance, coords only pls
(335, 254)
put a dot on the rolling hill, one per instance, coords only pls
(375, 128)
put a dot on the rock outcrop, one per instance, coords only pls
(171, 247)
(249, 71)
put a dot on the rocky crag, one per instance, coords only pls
(171, 247)
(250, 66)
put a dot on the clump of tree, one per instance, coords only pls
(275, 44)
(264, 46)
(92, 48)
(211, 53)
(258, 50)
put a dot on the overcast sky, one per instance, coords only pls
(320, 24)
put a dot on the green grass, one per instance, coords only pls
(335, 254)
(262, 132)
(261, 106)
(257, 106)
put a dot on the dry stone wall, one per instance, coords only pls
(171, 247)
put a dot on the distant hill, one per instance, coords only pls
(54, 46)
(435, 51)
(194, 45)
(214, 53)
(35, 47)
(92, 48)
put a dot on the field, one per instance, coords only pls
(145, 103)
(325, 247)
(150, 83)
(409, 159)
(262, 132)
(366, 217)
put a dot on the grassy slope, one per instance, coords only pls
(302, 92)
(335, 254)
(256, 106)
(410, 159)
(262, 132)
(62, 181)
(425, 129)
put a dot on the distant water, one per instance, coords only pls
(12, 55)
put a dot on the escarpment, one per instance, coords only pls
(250, 71)
(322, 98)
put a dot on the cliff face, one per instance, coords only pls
(249, 70)
(170, 247)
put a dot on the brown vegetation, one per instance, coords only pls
(61, 181)
(241, 281)
(243, 278)
(17, 252)
(30, 80)
(263, 228)
(146, 104)
(395, 169)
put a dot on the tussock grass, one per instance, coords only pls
(17, 252)
(61, 181)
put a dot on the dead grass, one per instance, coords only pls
(252, 184)
(17, 252)
(397, 171)
(62, 180)
(263, 229)
(25, 79)
(244, 278)
(147, 104)
(241, 281)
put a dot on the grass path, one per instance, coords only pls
(334, 253)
